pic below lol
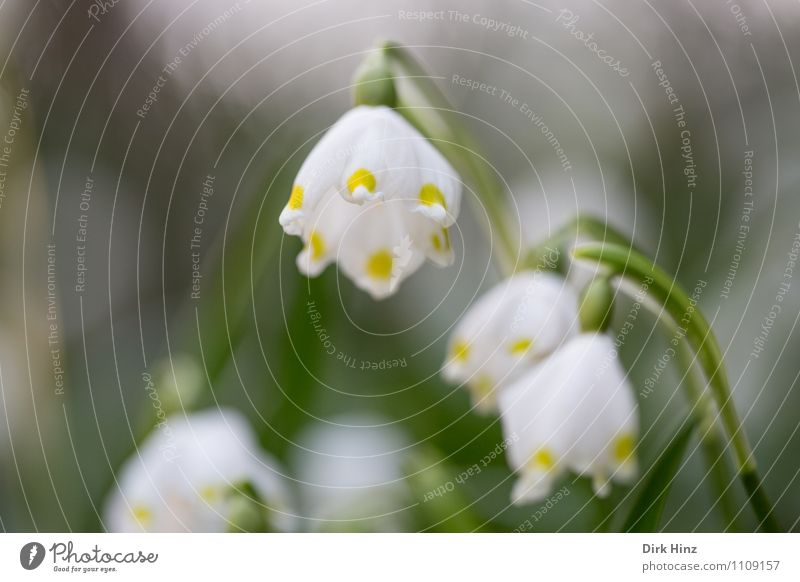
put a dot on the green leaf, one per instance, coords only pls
(442, 504)
(646, 512)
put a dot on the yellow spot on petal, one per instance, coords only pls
(208, 493)
(460, 351)
(379, 265)
(520, 346)
(441, 241)
(623, 447)
(542, 459)
(142, 515)
(482, 386)
(317, 245)
(361, 177)
(482, 391)
(430, 195)
(296, 197)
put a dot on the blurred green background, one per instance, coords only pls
(256, 81)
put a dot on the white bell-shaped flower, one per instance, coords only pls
(351, 475)
(375, 196)
(514, 325)
(575, 411)
(187, 475)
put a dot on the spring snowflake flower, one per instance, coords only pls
(188, 474)
(376, 197)
(352, 477)
(575, 411)
(514, 325)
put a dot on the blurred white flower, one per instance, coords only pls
(190, 472)
(515, 324)
(351, 475)
(375, 196)
(575, 411)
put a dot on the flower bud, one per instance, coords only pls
(180, 381)
(245, 512)
(597, 306)
(373, 83)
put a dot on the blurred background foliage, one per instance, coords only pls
(244, 105)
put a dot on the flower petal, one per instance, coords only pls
(322, 169)
(377, 252)
(580, 405)
(381, 165)
(323, 231)
(373, 155)
(439, 194)
(178, 480)
(432, 238)
(511, 327)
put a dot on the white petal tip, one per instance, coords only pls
(435, 212)
(530, 488)
(308, 266)
(442, 259)
(377, 290)
(452, 372)
(291, 221)
(627, 471)
(361, 196)
(485, 407)
(601, 485)
(380, 295)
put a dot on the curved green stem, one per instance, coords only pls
(588, 227)
(628, 263)
(712, 447)
(582, 227)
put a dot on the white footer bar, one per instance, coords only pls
(401, 557)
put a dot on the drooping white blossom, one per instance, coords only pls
(187, 473)
(575, 411)
(511, 327)
(377, 198)
(351, 475)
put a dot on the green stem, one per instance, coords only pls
(628, 263)
(712, 447)
(581, 227)
(426, 107)
(759, 500)
(588, 227)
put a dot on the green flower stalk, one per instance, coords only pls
(711, 440)
(625, 262)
